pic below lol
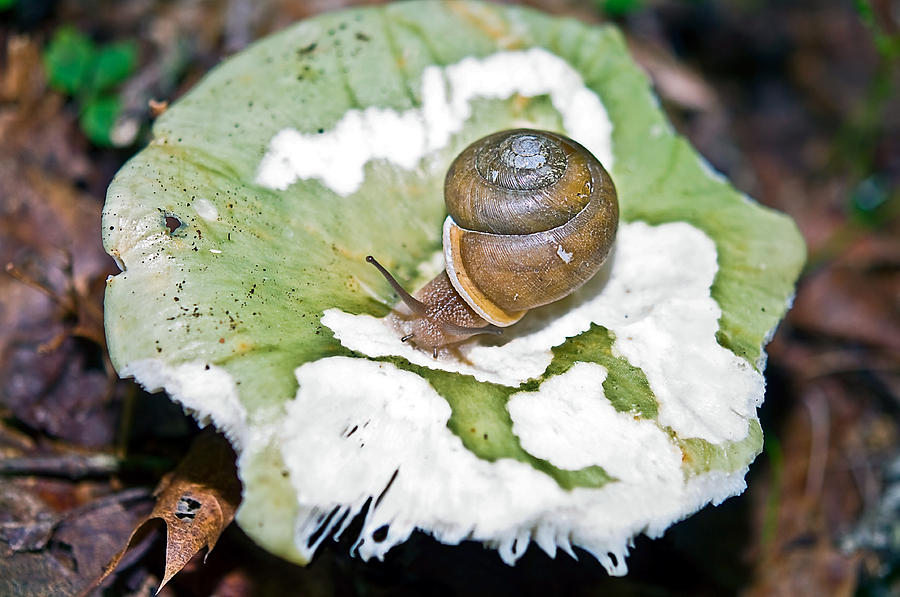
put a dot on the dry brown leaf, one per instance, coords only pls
(36, 126)
(830, 444)
(52, 277)
(673, 79)
(196, 501)
(23, 79)
(49, 550)
(854, 297)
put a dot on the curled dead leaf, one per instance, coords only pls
(196, 501)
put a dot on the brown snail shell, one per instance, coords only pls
(533, 216)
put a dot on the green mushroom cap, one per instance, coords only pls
(242, 231)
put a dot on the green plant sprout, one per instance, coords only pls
(90, 73)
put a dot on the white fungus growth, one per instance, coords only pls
(562, 421)
(338, 157)
(206, 390)
(653, 301)
(429, 480)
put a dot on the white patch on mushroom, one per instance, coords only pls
(386, 435)
(375, 338)
(563, 254)
(338, 156)
(570, 423)
(657, 303)
(206, 210)
(206, 390)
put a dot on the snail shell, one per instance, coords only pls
(533, 215)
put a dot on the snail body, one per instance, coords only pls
(532, 216)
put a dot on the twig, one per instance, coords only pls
(819, 421)
(71, 466)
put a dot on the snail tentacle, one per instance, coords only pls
(415, 305)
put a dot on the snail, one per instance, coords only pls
(532, 216)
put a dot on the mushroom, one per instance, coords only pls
(242, 231)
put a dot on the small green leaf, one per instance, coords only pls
(618, 8)
(115, 63)
(98, 118)
(69, 60)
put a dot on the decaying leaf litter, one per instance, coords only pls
(831, 385)
(196, 502)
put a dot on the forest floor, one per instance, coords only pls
(797, 103)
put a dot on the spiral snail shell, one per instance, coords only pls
(532, 216)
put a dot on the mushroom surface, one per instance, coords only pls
(242, 231)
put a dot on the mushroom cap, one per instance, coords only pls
(242, 230)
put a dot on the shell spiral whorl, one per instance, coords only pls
(533, 216)
(520, 162)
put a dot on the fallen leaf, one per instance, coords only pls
(35, 123)
(52, 289)
(44, 551)
(106, 521)
(854, 297)
(26, 522)
(23, 79)
(823, 469)
(674, 80)
(196, 501)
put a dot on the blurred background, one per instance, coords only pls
(795, 101)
